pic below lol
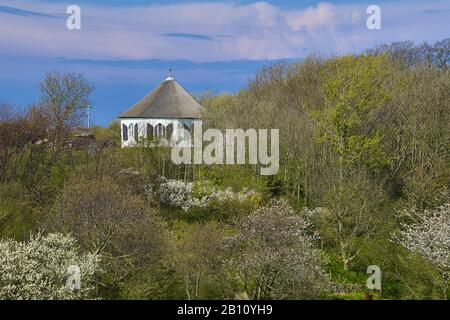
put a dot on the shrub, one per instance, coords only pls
(37, 269)
(188, 195)
(109, 220)
(275, 256)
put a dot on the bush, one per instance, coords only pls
(18, 213)
(202, 194)
(38, 269)
(105, 218)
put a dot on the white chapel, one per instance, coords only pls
(160, 117)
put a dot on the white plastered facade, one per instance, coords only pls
(159, 127)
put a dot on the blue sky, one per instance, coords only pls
(125, 48)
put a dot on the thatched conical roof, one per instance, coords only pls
(169, 100)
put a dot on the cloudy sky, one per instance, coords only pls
(125, 47)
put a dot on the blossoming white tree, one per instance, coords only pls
(38, 269)
(276, 258)
(429, 236)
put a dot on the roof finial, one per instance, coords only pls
(170, 78)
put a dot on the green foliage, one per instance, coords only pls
(235, 177)
(112, 132)
(224, 210)
(18, 214)
(355, 88)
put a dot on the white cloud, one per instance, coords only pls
(255, 31)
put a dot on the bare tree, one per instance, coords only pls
(351, 211)
(110, 221)
(197, 254)
(18, 130)
(66, 97)
(442, 53)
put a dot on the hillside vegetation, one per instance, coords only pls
(364, 180)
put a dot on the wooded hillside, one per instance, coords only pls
(364, 180)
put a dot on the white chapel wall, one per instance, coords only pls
(177, 135)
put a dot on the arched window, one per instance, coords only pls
(130, 130)
(169, 132)
(160, 130)
(124, 133)
(149, 132)
(187, 134)
(189, 129)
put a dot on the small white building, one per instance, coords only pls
(160, 117)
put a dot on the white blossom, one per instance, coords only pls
(179, 194)
(429, 236)
(275, 251)
(38, 269)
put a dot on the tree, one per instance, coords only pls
(66, 97)
(38, 269)
(350, 212)
(18, 130)
(409, 55)
(107, 219)
(416, 133)
(404, 52)
(355, 93)
(429, 236)
(442, 54)
(198, 255)
(275, 256)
